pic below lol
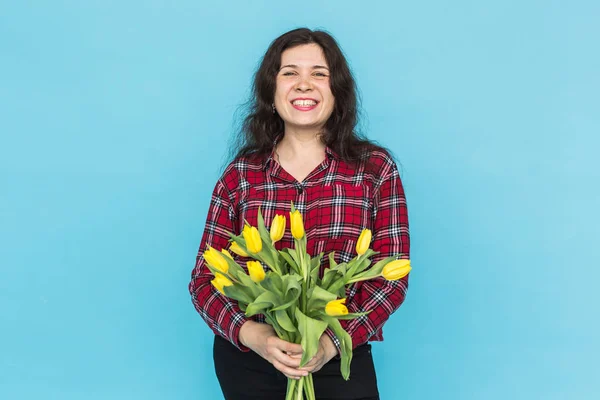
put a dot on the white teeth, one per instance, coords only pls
(304, 103)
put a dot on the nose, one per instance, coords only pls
(304, 84)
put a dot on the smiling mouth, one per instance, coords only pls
(305, 103)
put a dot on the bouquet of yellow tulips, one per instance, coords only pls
(297, 302)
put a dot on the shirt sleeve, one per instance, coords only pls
(221, 313)
(390, 237)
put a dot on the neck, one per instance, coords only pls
(302, 145)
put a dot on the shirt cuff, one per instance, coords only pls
(240, 319)
(335, 341)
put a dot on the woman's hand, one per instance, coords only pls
(262, 339)
(326, 352)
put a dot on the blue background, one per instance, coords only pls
(115, 117)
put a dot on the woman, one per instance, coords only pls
(300, 145)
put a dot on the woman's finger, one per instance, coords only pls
(287, 371)
(309, 367)
(315, 363)
(286, 359)
(290, 348)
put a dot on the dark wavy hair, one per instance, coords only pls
(261, 126)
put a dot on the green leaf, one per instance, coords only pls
(262, 303)
(283, 264)
(266, 256)
(234, 267)
(332, 263)
(342, 268)
(272, 320)
(288, 258)
(291, 291)
(345, 347)
(273, 283)
(359, 264)
(378, 267)
(294, 254)
(328, 276)
(374, 271)
(366, 256)
(262, 230)
(316, 262)
(291, 284)
(314, 276)
(303, 243)
(257, 308)
(254, 289)
(315, 268)
(284, 320)
(338, 287)
(311, 331)
(238, 293)
(269, 297)
(319, 299)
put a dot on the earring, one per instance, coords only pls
(273, 107)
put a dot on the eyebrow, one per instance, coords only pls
(295, 66)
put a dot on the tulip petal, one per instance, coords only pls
(395, 270)
(297, 225)
(256, 271)
(364, 241)
(237, 249)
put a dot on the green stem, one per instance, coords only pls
(300, 391)
(310, 388)
(291, 389)
(303, 299)
(305, 273)
(302, 263)
(362, 278)
(300, 251)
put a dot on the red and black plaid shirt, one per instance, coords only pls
(337, 201)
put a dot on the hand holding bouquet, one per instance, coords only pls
(296, 301)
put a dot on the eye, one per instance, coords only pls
(321, 74)
(288, 73)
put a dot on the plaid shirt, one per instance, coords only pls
(337, 201)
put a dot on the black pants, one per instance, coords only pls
(247, 376)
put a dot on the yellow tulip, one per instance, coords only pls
(364, 241)
(336, 308)
(215, 259)
(256, 271)
(277, 228)
(228, 254)
(297, 225)
(237, 249)
(220, 281)
(396, 270)
(252, 237)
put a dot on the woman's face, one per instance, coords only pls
(303, 98)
